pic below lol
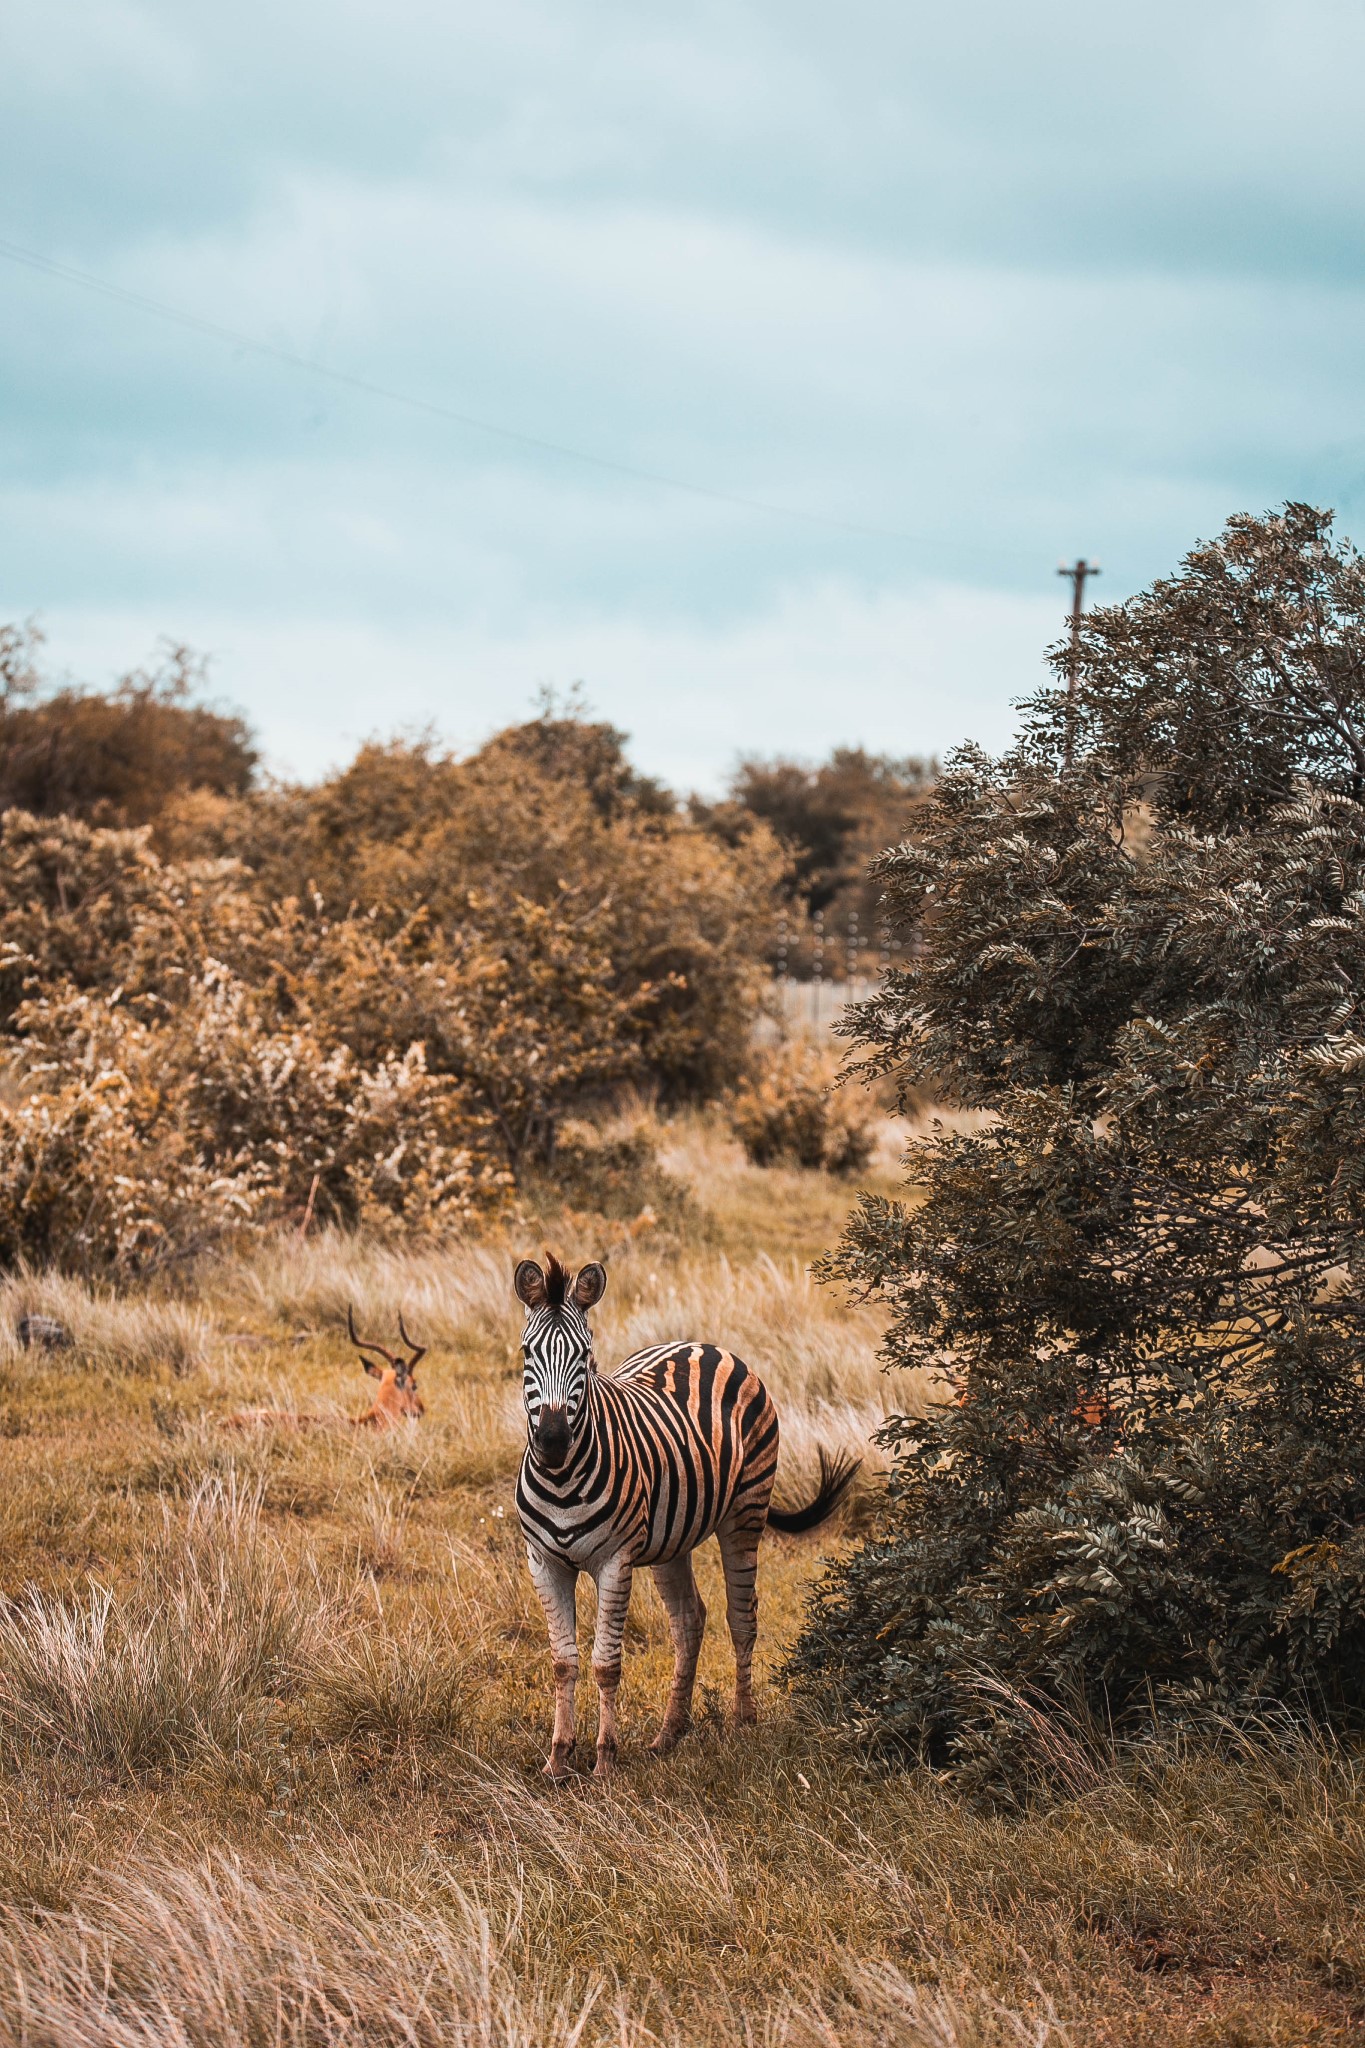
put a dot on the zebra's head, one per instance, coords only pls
(556, 1347)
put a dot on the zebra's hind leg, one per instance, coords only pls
(556, 1582)
(687, 1620)
(613, 1601)
(739, 1558)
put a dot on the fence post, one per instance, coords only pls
(818, 973)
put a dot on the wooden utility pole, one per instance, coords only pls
(1076, 572)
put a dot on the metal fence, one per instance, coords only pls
(820, 967)
(815, 1005)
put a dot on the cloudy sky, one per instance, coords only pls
(916, 298)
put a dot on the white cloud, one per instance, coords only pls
(1005, 282)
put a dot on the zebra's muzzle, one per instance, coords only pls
(551, 1438)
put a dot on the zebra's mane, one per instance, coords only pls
(556, 1281)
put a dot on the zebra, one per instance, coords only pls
(637, 1467)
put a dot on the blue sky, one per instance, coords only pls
(998, 284)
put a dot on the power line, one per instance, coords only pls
(30, 258)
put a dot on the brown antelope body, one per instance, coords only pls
(396, 1401)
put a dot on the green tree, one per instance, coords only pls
(1141, 1276)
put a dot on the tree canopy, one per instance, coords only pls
(113, 758)
(1139, 1272)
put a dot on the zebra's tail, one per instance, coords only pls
(836, 1476)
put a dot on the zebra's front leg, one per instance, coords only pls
(687, 1620)
(556, 1583)
(613, 1600)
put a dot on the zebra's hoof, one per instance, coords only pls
(668, 1739)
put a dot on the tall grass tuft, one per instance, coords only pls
(215, 1956)
(393, 1685)
(110, 1331)
(184, 1663)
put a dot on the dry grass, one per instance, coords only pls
(272, 1709)
(108, 1332)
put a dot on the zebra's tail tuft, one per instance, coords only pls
(836, 1476)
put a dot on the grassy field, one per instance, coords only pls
(273, 1706)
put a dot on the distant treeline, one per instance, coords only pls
(149, 752)
(384, 998)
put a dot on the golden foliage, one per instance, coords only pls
(114, 759)
(672, 921)
(790, 1110)
(381, 997)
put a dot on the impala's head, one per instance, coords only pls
(398, 1399)
(556, 1349)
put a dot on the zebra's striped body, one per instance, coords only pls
(637, 1467)
(680, 1439)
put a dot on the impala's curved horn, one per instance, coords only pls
(419, 1351)
(363, 1344)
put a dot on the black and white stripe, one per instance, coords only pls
(637, 1468)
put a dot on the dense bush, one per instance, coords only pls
(138, 1133)
(1144, 1274)
(114, 759)
(790, 1111)
(546, 850)
(385, 994)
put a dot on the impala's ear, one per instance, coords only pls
(376, 1372)
(590, 1286)
(529, 1282)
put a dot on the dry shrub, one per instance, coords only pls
(382, 1013)
(116, 758)
(186, 1064)
(141, 1137)
(182, 1665)
(97, 911)
(560, 862)
(791, 1111)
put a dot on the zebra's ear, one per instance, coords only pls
(590, 1286)
(529, 1282)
